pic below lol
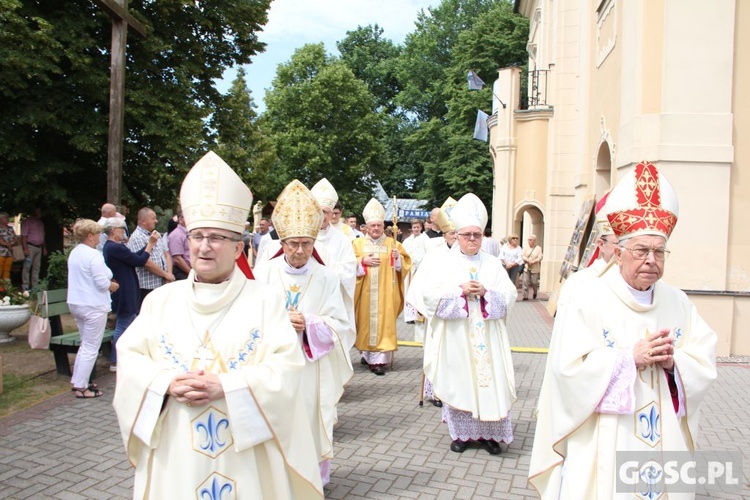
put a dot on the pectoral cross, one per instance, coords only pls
(204, 358)
(121, 21)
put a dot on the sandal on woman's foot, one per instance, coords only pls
(87, 393)
(91, 387)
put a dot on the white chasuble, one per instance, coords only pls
(335, 250)
(467, 358)
(231, 447)
(574, 453)
(314, 291)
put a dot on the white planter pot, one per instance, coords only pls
(11, 317)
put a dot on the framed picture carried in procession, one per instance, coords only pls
(582, 228)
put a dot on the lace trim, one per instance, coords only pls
(452, 306)
(462, 426)
(619, 398)
(494, 305)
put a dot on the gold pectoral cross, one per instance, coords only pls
(206, 358)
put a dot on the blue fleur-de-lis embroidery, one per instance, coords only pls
(232, 365)
(256, 334)
(651, 476)
(650, 421)
(677, 335)
(242, 356)
(481, 347)
(216, 490)
(607, 341)
(210, 430)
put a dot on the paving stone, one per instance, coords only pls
(386, 446)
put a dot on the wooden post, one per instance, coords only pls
(121, 21)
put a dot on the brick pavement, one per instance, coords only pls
(386, 446)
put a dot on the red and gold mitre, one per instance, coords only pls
(643, 202)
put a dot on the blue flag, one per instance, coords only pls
(475, 83)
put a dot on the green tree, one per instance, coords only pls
(54, 82)
(453, 38)
(373, 59)
(323, 123)
(241, 143)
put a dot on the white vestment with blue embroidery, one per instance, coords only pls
(253, 443)
(575, 445)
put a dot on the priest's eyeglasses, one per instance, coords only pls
(213, 239)
(469, 236)
(641, 253)
(296, 245)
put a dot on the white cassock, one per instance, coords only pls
(467, 354)
(253, 443)
(314, 291)
(336, 252)
(594, 402)
(416, 247)
(580, 280)
(411, 314)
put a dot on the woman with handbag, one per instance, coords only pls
(7, 240)
(89, 286)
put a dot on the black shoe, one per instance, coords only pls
(459, 446)
(362, 361)
(437, 402)
(492, 447)
(525, 298)
(534, 295)
(377, 370)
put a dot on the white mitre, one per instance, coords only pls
(324, 192)
(469, 211)
(213, 195)
(373, 211)
(297, 214)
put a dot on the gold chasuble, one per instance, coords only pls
(379, 294)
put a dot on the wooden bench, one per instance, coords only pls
(60, 343)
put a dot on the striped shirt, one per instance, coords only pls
(138, 240)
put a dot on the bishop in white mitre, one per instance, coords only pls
(208, 380)
(466, 295)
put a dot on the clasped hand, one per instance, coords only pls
(657, 348)
(473, 287)
(196, 388)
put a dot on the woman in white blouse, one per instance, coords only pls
(89, 286)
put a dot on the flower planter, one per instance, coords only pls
(11, 317)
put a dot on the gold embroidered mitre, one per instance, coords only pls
(297, 213)
(373, 211)
(643, 202)
(469, 211)
(444, 221)
(213, 195)
(324, 192)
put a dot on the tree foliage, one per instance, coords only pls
(54, 77)
(241, 143)
(323, 123)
